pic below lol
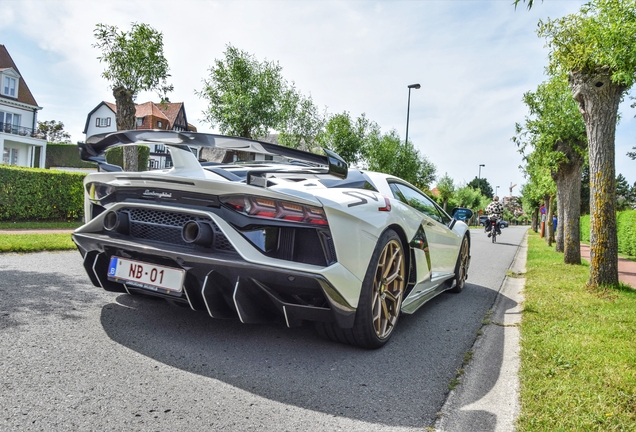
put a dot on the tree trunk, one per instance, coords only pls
(568, 182)
(535, 220)
(549, 230)
(558, 236)
(126, 121)
(598, 100)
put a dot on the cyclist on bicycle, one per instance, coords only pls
(494, 212)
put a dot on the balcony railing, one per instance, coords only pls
(18, 130)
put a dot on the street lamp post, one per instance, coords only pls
(479, 176)
(408, 108)
(496, 190)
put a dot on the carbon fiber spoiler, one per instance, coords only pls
(95, 147)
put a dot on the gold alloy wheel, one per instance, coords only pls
(388, 288)
(463, 263)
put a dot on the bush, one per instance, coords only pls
(585, 228)
(625, 227)
(65, 155)
(115, 156)
(34, 194)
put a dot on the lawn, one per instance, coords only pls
(35, 242)
(578, 355)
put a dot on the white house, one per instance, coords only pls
(149, 115)
(19, 144)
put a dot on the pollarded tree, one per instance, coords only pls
(134, 62)
(387, 153)
(350, 138)
(541, 185)
(245, 96)
(597, 48)
(301, 121)
(558, 134)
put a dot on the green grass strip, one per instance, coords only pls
(578, 349)
(40, 225)
(35, 242)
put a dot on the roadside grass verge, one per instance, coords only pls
(35, 242)
(40, 225)
(578, 355)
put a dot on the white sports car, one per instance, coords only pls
(301, 240)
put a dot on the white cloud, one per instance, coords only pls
(474, 60)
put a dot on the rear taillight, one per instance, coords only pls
(268, 208)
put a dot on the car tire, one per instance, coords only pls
(380, 298)
(461, 267)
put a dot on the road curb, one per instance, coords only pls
(487, 398)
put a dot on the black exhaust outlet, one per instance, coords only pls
(117, 221)
(197, 233)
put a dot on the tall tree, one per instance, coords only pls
(483, 186)
(556, 132)
(53, 131)
(301, 121)
(596, 48)
(350, 138)
(387, 153)
(246, 97)
(623, 193)
(134, 62)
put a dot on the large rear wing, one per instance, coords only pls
(95, 147)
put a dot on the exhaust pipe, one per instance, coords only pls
(197, 233)
(117, 221)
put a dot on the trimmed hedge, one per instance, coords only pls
(626, 231)
(34, 194)
(115, 156)
(626, 226)
(65, 155)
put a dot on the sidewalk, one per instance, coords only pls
(626, 268)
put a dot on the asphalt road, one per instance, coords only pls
(74, 357)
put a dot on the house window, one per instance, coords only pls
(159, 124)
(9, 122)
(102, 122)
(140, 121)
(9, 86)
(10, 156)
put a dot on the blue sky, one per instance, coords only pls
(474, 60)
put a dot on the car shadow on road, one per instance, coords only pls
(25, 295)
(403, 384)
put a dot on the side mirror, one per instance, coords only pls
(462, 214)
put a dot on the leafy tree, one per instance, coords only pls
(388, 154)
(596, 48)
(446, 188)
(53, 131)
(555, 131)
(531, 202)
(530, 3)
(134, 62)
(350, 138)
(632, 155)
(623, 194)
(483, 186)
(301, 122)
(246, 97)
(585, 190)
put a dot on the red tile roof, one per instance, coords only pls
(24, 94)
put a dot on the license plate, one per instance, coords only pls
(146, 275)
